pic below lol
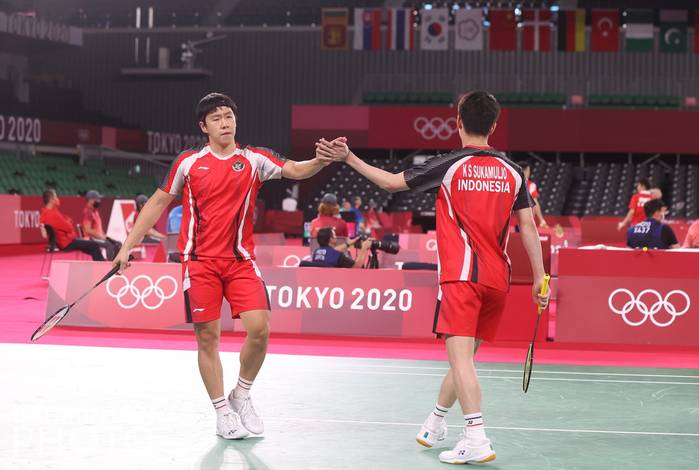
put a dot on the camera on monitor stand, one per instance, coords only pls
(387, 246)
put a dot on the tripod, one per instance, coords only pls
(373, 261)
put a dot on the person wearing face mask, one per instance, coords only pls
(63, 228)
(652, 232)
(92, 225)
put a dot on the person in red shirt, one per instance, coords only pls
(219, 184)
(92, 225)
(636, 213)
(534, 193)
(328, 211)
(478, 189)
(62, 225)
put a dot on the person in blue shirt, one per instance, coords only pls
(652, 232)
(174, 220)
(327, 255)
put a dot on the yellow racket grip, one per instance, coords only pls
(545, 286)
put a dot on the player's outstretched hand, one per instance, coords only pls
(122, 260)
(541, 300)
(337, 150)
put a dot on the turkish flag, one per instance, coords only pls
(605, 31)
(503, 29)
(537, 30)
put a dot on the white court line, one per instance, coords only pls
(505, 428)
(614, 374)
(558, 379)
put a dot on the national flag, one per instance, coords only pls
(605, 31)
(367, 28)
(503, 29)
(673, 31)
(537, 30)
(468, 27)
(334, 28)
(434, 32)
(400, 35)
(639, 30)
(571, 30)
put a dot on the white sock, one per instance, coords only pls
(475, 429)
(221, 406)
(242, 390)
(439, 412)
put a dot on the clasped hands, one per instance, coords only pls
(333, 151)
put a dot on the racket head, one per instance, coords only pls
(50, 322)
(528, 368)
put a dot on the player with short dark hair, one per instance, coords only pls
(652, 232)
(636, 213)
(219, 184)
(478, 189)
(327, 254)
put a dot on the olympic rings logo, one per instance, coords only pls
(293, 261)
(151, 297)
(649, 311)
(435, 128)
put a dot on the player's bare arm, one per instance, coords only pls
(626, 221)
(532, 245)
(304, 169)
(149, 215)
(337, 150)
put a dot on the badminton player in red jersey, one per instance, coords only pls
(219, 185)
(478, 189)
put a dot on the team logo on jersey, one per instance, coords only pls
(238, 166)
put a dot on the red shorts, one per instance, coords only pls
(468, 309)
(205, 282)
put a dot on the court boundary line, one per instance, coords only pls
(613, 374)
(502, 428)
(557, 379)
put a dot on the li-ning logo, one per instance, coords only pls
(649, 311)
(151, 297)
(238, 166)
(435, 128)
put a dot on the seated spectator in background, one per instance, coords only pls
(346, 206)
(692, 238)
(174, 220)
(328, 216)
(328, 255)
(152, 235)
(636, 212)
(359, 216)
(62, 225)
(92, 225)
(652, 232)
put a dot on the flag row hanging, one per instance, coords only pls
(538, 29)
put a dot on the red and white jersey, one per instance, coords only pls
(636, 203)
(533, 190)
(477, 190)
(218, 199)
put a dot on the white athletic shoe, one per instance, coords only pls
(251, 420)
(229, 426)
(432, 430)
(465, 452)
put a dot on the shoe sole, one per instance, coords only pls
(490, 458)
(423, 443)
(243, 436)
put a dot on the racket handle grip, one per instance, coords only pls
(111, 272)
(545, 285)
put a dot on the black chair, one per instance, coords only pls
(312, 264)
(51, 248)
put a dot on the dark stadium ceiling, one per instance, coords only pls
(173, 13)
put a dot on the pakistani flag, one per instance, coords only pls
(673, 31)
(639, 30)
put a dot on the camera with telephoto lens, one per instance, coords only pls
(389, 247)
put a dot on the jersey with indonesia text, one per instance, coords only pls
(218, 199)
(477, 191)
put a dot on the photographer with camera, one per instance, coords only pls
(327, 254)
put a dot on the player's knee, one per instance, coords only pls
(260, 332)
(207, 340)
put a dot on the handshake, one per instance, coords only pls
(333, 151)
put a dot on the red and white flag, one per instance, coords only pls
(605, 31)
(537, 30)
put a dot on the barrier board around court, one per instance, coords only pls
(349, 302)
(628, 297)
